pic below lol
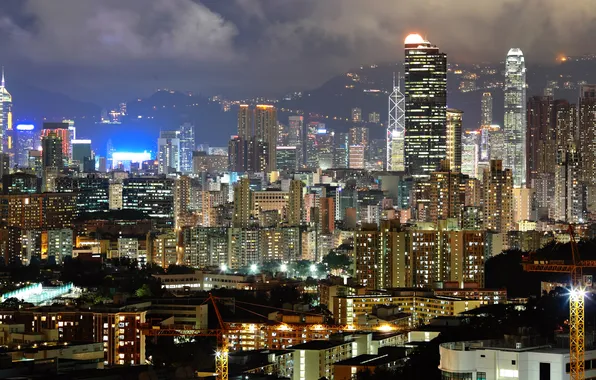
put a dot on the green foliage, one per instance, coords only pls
(337, 262)
(144, 291)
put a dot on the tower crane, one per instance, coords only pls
(576, 302)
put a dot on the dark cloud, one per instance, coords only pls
(92, 47)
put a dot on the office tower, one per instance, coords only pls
(486, 109)
(569, 187)
(325, 148)
(257, 156)
(426, 106)
(60, 244)
(587, 132)
(92, 192)
(26, 139)
(72, 135)
(296, 137)
(154, 196)
(182, 193)
(187, 146)
(446, 196)
(20, 183)
(487, 135)
(242, 204)
(236, 154)
(35, 161)
(295, 203)
(342, 144)
(498, 198)
(396, 130)
(266, 130)
(377, 155)
(359, 136)
(469, 149)
(245, 116)
(52, 153)
(541, 138)
(168, 152)
(286, 158)
(81, 150)
(515, 116)
(5, 116)
(454, 135)
(356, 115)
(497, 143)
(310, 144)
(356, 157)
(62, 132)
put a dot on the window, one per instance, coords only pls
(513, 362)
(544, 373)
(456, 376)
(481, 375)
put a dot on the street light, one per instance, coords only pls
(283, 268)
(313, 268)
(254, 268)
(223, 267)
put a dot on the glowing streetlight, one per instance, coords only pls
(283, 268)
(313, 268)
(254, 268)
(223, 267)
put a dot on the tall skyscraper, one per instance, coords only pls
(486, 109)
(266, 130)
(245, 116)
(569, 204)
(498, 198)
(187, 146)
(52, 154)
(396, 130)
(72, 135)
(61, 130)
(296, 137)
(470, 148)
(5, 116)
(454, 144)
(426, 106)
(168, 152)
(359, 136)
(515, 116)
(356, 115)
(26, 139)
(242, 204)
(541, 138)
(325, 146)
(587, 131)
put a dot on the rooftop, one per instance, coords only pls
(318, 345)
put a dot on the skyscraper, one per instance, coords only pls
(168, 152)
(245, 116)
(469, 149)
(5, 115)
(52, 154)
(541, 138)
(587, 131)
(426, 106)
(26, 139)
(486, 117)
(395, 130)
(454, 144)
(296, 137)
(266, 130)
(187, 146)
(515, 116)
(497, 198)
(60, 130)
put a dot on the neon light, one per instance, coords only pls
(83, 141)
(131, 156)
(25, 127)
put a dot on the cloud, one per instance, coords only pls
(97, 32)
(270, 46)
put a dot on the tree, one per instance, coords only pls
(337, 262)
(144, 291)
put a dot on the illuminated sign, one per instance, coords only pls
(25, 127)
(131, 156)
(83, 141)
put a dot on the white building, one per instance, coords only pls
(115, 196)
(168, 152)
(60, 244)
(202, 281)
(494, 360)
(515, 116)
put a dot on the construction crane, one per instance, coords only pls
(576, 302)
(222, 350)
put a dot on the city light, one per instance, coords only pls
(223, 267)
(577, 292)
(254, 268)
(283, 268)
(25, 127)
(313, 268)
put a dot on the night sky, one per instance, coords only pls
(99, 50)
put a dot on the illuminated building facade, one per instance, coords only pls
(396, 130)
(155, 196)
(454, 136)
(426, 106)
(6, 130)
(26, 139)
(59, 130)
(168, 153)
(296, 137)
(266, 130)
(498, 198)
(515, 116)
(486, 115)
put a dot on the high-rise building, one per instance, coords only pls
(26, 139)
(486, 109)
(286, 158)
(569, 205)
(515, 116)
(356, 156)
(61, 131)
(242, 204)
(359, 136)
(266, 130)
(72, 135)
(81, 151)
(295, 203)
(446, 196)
(60, 244)
(296, 137)
(396, 130)
(342, 144)
(310, 143)
(498, 198)
(237, 154)
(541, 138)
(182, 201)
(374, 117)
(426, 106)
(52, 153)
(469, 154)
(497, 143)
(168, 152)
(587, 132)
(187, 146)
(486, 136)
(454, 135)
(154, 196)
(5, 117)
(325, 147)
(245, 117)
